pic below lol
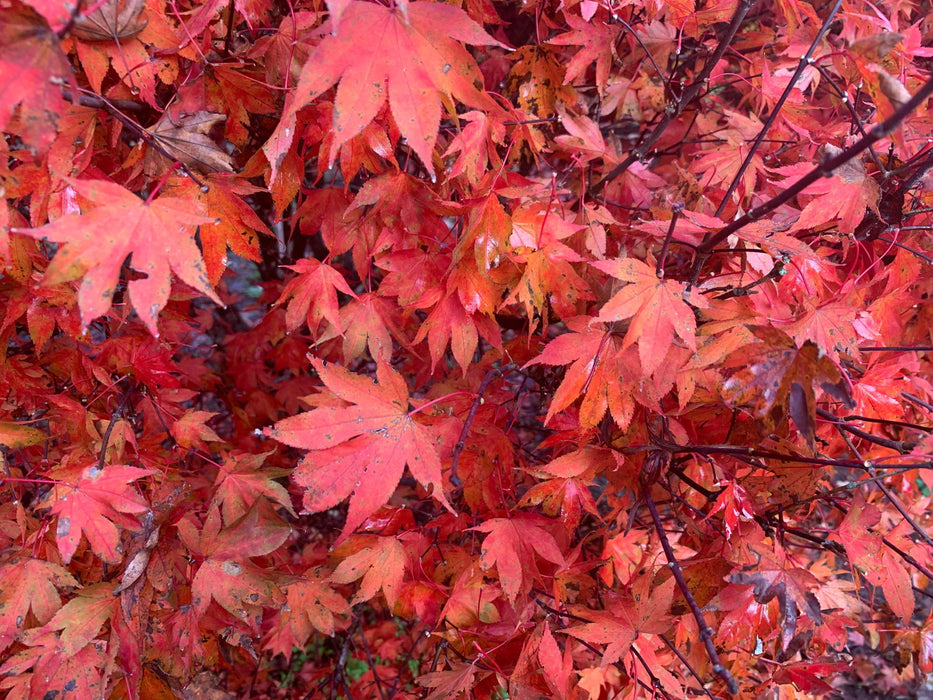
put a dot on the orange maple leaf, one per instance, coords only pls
(381, 566)
(600, 370)
(360, 450)
(645, 611)
(158, 234)
(234, 225)
(408, 54)
(658, 308)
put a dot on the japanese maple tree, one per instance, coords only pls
(390, 348)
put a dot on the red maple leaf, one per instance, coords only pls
(100, 501)
(449, 684)
(158, 234)
(841, 198)
(242, 480)
(881, 566)
(54, 674)
(360, 450)
(598, 41)
(511, 546)
(312, 295)
(30, 59)
(29, 584)
(82, 617)
(227, 575)
(310, 604)
(191, 431)
(408, 54)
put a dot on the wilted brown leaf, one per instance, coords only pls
(893, 89)
(185, 139)
(110, 22)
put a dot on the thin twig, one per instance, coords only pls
(468, 423)
(655, 681)
(894, 500)
(337, 673)
(751, 452)
(143, 133)
(118, 413)
(676, 209)
(885, 421)
(369, 658)
(686, 663)
(917, 400)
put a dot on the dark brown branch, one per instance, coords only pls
(885, 421)
(691, 92)
(824, 169)
(706, 634)
(750, 452)
(99, 103)
(917, 400)
(892, 499)
(922, 256)
(805, 61)
(901, 446)
(896, 348)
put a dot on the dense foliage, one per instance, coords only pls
(365, 349)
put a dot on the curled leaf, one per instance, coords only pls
(185, 139)
(893, 89)
(876, 46)
(110, 21)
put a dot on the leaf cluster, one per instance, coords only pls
(476, 349)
